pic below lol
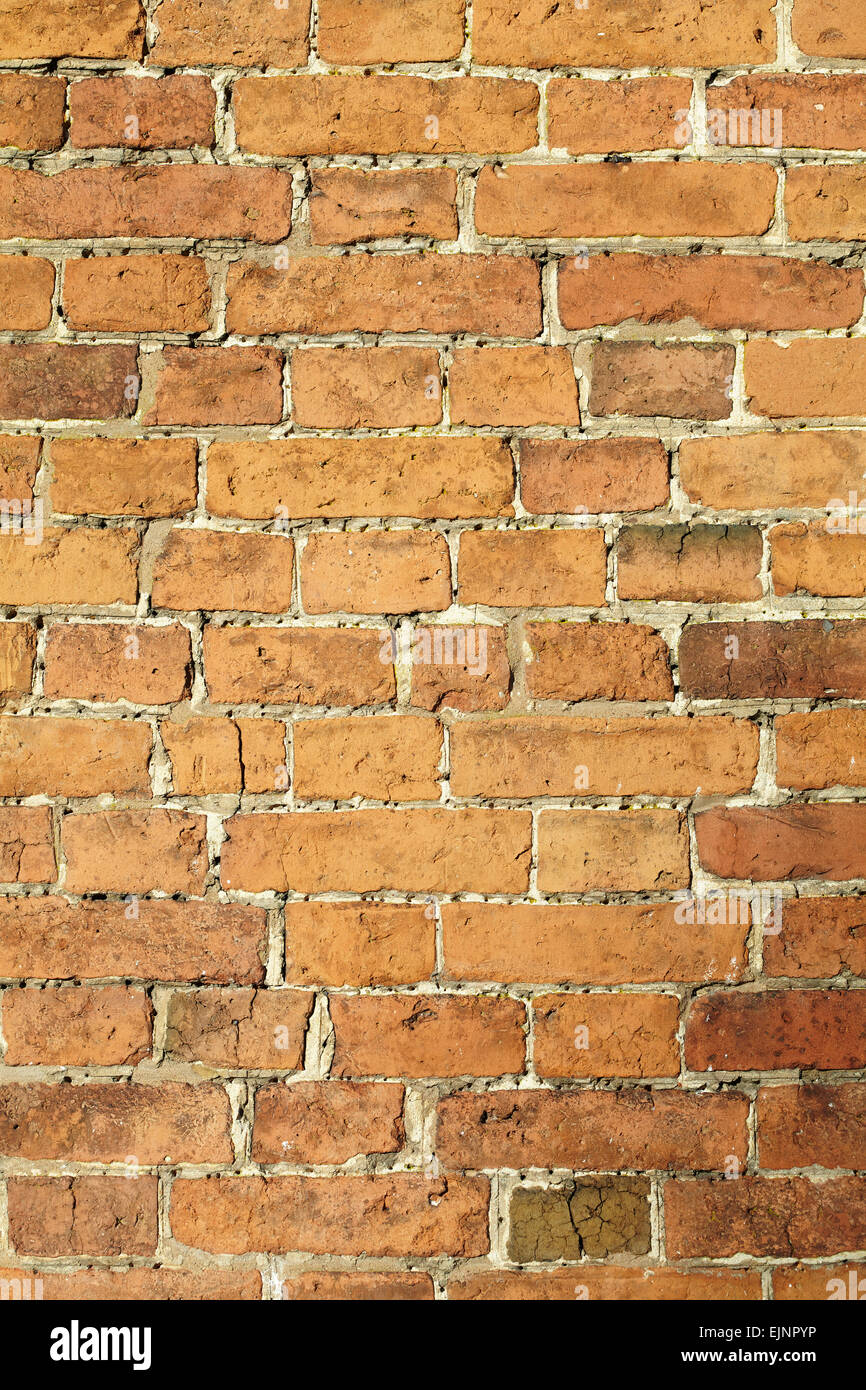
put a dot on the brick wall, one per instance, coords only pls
(432, 820)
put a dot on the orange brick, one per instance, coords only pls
(366, 388)
(830, 28)
(216, 570)
(26, 846)
(643, 113)
(375, 572)
(174, 112)
(822, 937)
(533, 568)
(32, 107)
(513, 386)
(297, 665)
(826, 201)
(239, 1028)
(669, 33)
(386, 759)
(310, 115)
(83, 565)
(218, 386)
(593, 475)
(98, 755)
(109, 1123)
(462, 667)
(123, 477)
(782, 469)
(135, 852)
(606, 1035)
(83, 1216)
(77, 1027)
(399, 1214)
(327, 1121)
(597, 661)
(388, 31)
(229, 32)
(815, 559)
(618, 1284)
(118, 661)
(50, 938)
(596, 943)
(564, 756)
(377, 477)
(357, 1288)
(424, 851)
(826, 748)
(119, 294)
(633, 199)
(69, 30)
(17, 654)
(26, 289)
(809, 111)
(427, 1035)
(359, 944)
(213, 756)
(499, 296)
(628, 851)
(812, 377)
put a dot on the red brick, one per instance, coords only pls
(618, 1283)
(140, 1284)
(592, 1129)
(50, 938)
(593, 475)
(349, 205)
(174, 112)
(803, 1125)
(812, 660)
(218, 386)
(346, 1286)
(327, 1121)
(59, 381)
(682, 380)
(812, 1283)
(499, 296)
(783, 842)
(764, 1216)
(777, 1029)
(822, 937)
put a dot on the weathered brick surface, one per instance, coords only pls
(432, 659)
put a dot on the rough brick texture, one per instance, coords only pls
(432, 656)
